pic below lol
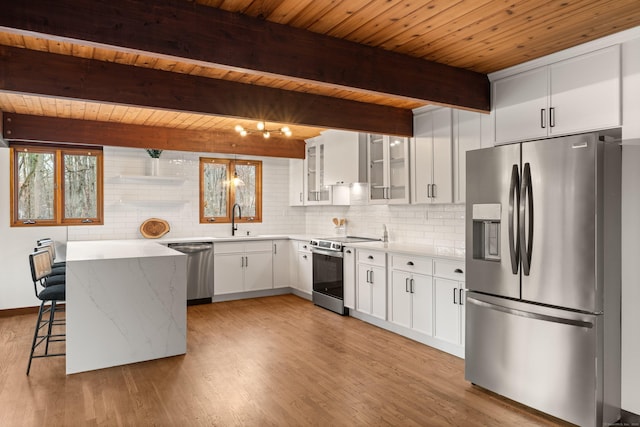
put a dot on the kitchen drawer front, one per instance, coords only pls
(372, 257)
(228, 248)
(412, 264)
(304, 247)
(259, 246)
(449, 269)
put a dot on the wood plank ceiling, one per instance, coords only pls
(477, 35)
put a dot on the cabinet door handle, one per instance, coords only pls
(412, 287)
(300, 196)
(543, 118)
(246, 261)
(434, 191)
(368, 277)
(552, 117)
(428, 191)
(458, 270)
(304, 256)
(371, 276)
(410, 263)
(275, 249)
(454, 295)
(460, 296)
(242, 261)
(406, 284)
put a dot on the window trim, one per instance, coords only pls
(58, 197)
(231, 193)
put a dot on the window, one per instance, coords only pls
(225, 182)
(56, 186)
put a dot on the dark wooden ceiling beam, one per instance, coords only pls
(46, 74)
(208, 36)
(38, 129)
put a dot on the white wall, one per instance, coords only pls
(123, 219)
(441, 226)
(631, 227)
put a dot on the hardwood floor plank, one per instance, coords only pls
(278, 361)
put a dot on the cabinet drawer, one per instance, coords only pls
(413, 264)
(228, 248)
(304, 247)
(259, 246)
(449, 269)
(372, 257)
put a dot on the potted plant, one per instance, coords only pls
(155, 161)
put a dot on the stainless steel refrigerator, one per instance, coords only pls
(543, 275)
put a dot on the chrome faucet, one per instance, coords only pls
(234, 227)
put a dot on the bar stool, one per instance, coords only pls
(47, 241)
(40, 264)
(58, 275)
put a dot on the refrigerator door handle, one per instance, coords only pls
(527, 314)
(526, 216)
(514, 202)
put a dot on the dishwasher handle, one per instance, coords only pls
(190, 248)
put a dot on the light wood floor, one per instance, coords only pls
(264, 362)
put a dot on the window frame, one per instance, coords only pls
(59, 151)
(231, 193)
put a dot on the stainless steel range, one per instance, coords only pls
(328, 284)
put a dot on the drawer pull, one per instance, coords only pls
(458, 270)
(410, 263)
(370, 257)
(348, 251)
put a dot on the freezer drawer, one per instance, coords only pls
(545, 358)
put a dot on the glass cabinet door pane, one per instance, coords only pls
(397, 167)
(376, 167)
(312, 182)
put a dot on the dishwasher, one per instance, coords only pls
(199, 270)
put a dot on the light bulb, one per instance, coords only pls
(260, 125)
(239, 128)
(286, 131)
(243, 132)
(266, 134)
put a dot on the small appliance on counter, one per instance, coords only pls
(328, 284)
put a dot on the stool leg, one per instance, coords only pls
(35, 336)
(52, 311)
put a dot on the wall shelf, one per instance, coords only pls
(151, 179)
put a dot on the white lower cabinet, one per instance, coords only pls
(281, 260)
(242, 266)
(371, 283)
(305, 268)
(411, 302)
(449, 302)
(349, 278)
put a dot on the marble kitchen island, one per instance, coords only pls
(125, 303)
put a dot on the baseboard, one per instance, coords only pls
(8, 312)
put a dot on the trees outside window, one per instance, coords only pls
(56, 186)
(224, 182)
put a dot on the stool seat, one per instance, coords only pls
(52, 293)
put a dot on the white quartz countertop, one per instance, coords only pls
(116, 249)
(238, 238)
(406, 248)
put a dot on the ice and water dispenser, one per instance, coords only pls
(486, 231)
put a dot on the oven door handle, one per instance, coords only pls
(327, 252)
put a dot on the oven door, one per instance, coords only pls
(327, 272)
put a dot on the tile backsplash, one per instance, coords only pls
(130, 198)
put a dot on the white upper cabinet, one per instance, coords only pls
(296, 182)
(580, 94)
(317, 192)
(431, 158)
(388, 175)
(467, 135)
(342, 156)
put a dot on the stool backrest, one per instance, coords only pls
(40, 263)
(48, 245)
